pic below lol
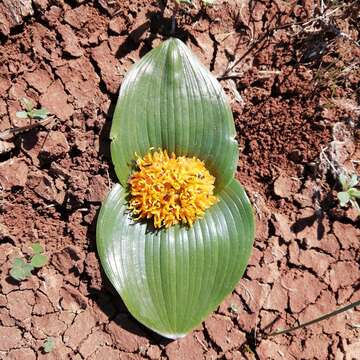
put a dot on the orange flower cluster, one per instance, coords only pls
(171, 189)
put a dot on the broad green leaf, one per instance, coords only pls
(37, 248)
(343, 197)
(39, 260)
(170, 101)
(20, 269)
(171, 279)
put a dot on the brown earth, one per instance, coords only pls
(291, 76)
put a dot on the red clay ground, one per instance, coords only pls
(293, 93)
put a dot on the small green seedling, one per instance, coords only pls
(22, 269)
(30, 112)
(205, 2)
(349, 194)
(49, 345)
(233, 308)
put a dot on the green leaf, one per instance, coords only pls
(354, 193)
(49, 345)
(39, 113)
(353, 181)
(343, 179)
(27, 104)
(20, 269)
(21, 114)
(343, 197)
(169, 100)
(39, 260)
(171, 279)
(37, 248)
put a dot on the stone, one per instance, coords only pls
(71, 44)
(43, 185)
(81, 82)
(92, 268)
(10, 337)
(254, 293)
(221, 330)
(286, 186)
(154, 352)
(5, 84)
(269, 349)
(79, 329)
(298, 284)
(323, 305)
(108, 65)
(68, 259)
(267, 273)
(51, 285)
(97, 189)
(282, 227)
(55, 144)
(106, 352)
(274, 251)
(76, 17)
(42, 304)
(13, 173)
(343, 273)
(5, 318)
(316, 261)
(72, 299)
(185, 348)
(347, 234)
(328, 244)
(49, 325)
(125, 334)
(117, 25)
(39, 79)
(41, 4)
(26, 299)
(22, 354)
(12, 14)
(55, 100)
(93, 342)
(277, 299)
(306, 197)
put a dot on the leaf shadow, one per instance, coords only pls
(308, 221)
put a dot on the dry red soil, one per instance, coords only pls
(291, 82)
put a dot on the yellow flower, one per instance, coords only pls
(171, 189)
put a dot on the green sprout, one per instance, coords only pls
(49, 345)
(22, 269)
(30, 112)
(205, 2)
(233, 308)
(349, 194)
